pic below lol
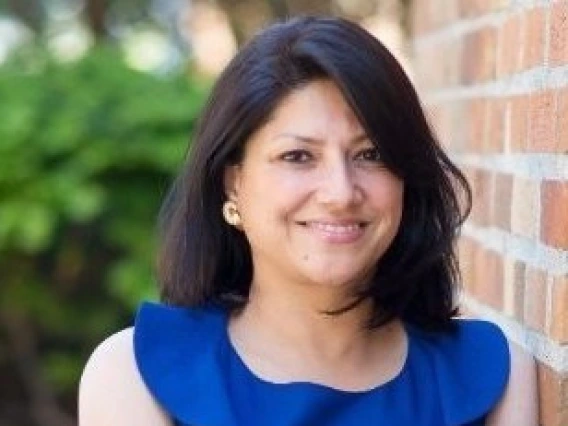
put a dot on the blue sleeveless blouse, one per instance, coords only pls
(189, 365)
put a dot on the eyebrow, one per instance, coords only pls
(309, 139)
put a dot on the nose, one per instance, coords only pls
(339, 188)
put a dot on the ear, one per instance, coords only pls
(232, 181)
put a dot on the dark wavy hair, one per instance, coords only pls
(204, 260)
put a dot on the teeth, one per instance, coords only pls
(339, 229)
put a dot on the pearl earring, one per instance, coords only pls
(231, 213)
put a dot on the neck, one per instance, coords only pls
(303, 314)
(286, 335)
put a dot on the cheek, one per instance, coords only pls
(387, 194)
(273, 195)
(397, 198)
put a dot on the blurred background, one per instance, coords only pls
(98, 101)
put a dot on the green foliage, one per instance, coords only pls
(87, 152)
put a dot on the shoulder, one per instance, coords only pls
(471, 365)
(518, 404)
(500, 357)
(181, 355)
(466, 342)
(483, 374)
(111, 390)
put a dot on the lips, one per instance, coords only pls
(337, 232)
(335, 228)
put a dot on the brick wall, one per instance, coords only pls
(493, 75)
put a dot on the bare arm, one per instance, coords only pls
(112, 392)
(519, 405)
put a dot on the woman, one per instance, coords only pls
(307, 266)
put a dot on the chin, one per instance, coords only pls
(340, 280)
(340, 271)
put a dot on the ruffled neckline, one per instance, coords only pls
(188, 363)
(266, 385)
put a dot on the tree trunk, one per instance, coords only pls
(44, 409)
(30, 12)
(96, 13)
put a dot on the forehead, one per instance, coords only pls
(317, 110)
(317, 106)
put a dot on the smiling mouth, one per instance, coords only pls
(334, 232)
(337, 228)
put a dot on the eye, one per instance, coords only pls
(297, 156)
(369, 154)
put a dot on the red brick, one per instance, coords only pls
(562, 121)
(441, 122)
(497, 4)
(534, 36)
(520, 280)
(435, 17)
(435, 62)
(489, 278)
(477, 280)
(419, 20)
(535, 299)
(470, 58)
(502, 201)
(469, 8)
(466, 249)
(496, 111)
(425, 15)
(542, 122)
(495, 283)
(453, 65)
(473, 8)
(559, 33)
(457, 114)
(488, 60)
(554, 219)
(476, 121)
(525, 208)
(479, 55)
(518, 125)
(447, 11)
(509, 58)
(482, 194)
(553, 394)
(559, 310)
(513, 291)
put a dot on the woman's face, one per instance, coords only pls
(317, 204)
